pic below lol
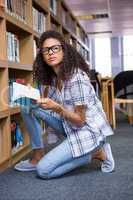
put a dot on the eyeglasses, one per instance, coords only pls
(55, 49)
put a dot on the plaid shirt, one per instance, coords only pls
(79, 91)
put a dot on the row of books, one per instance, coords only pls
(12, 47)
(53, 6)
(82, 36)
(17, 8)
(39, 21)
(82, 51)
(87, 41)
(67, 20)
(80, 33)
(64, 16)
(87, 55)
(70, 23)
(21, 101)
(13, 51)
(16, 136)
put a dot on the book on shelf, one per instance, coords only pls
(63, 16)
(82, 51)
(78, 46)
(71, 41)
(35, 49)
(68, 21)
(87, 41)
(53, 6)
(71, 25)
(85, 54)
(80, 34)
(16, 48)
(39, 20)
(13, 47)
(78, 31)
(88, 56)
(83, 36)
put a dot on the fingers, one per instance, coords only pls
(42, 101)
(29, 86)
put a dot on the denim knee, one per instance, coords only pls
(23, 109)
(28, 109)
(43, 171)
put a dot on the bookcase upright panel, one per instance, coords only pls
(2, 40)
(3, 89)
(26, 49)
(5, 141)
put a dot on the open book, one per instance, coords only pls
(20, 91)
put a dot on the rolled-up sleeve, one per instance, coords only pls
(79, 89)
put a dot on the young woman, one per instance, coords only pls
(71, 108)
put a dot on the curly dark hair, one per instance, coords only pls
(72, 60)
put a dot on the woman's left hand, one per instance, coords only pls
(48, 103)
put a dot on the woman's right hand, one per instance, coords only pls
(29, 85)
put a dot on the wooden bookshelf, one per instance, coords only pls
(3, 64)
(17, 27)
(14, 110)
(19, 66)
(3, 89)
(5, 138)
(107, 98)
(4, 113)
(2, 40)
(66, 34)
(41, 4)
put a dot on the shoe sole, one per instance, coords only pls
(24, 170)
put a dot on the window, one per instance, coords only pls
(103, 56)
(128, 52)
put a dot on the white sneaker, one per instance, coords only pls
(25, 166)
(108, 165)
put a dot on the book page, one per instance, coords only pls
(20, 91)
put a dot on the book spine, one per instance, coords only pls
(11, 102)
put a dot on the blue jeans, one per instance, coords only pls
(59, 160)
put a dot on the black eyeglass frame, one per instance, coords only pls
(46, 50)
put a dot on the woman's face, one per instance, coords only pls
(52, 52)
